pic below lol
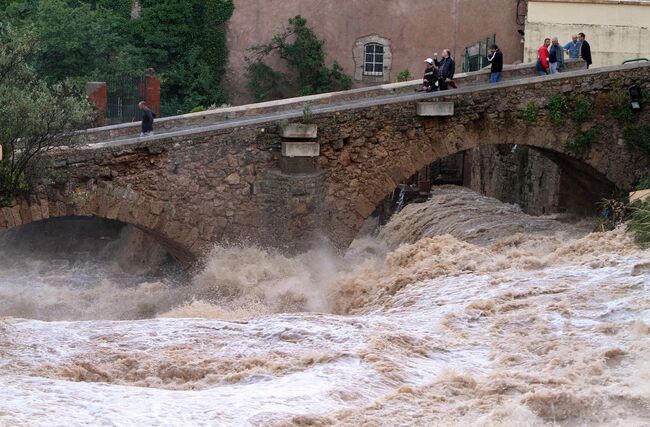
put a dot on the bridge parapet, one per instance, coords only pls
(204, 118)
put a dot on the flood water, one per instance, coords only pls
(461, 311)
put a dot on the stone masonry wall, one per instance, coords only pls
(517, 175)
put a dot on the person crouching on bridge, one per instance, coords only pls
(147, 119)
(430, 79)
(446, 69)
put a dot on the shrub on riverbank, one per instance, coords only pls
(639, 222)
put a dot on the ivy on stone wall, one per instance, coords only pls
(185, 42)
(304, 54)
(215, 49)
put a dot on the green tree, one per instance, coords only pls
(183, 40)
(34, 116)
(305, 57)
(78, 42)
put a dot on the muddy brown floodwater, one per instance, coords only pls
(462, 311)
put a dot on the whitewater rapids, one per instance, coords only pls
(462, 311)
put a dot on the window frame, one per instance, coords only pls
(359, 56)
(374, 63)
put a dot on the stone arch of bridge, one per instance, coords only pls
(97, 202)
(592, 172)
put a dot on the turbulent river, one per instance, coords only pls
(462, 311)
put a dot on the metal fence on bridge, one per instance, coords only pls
(123, 97)
(475, 56)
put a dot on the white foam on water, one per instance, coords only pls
(478, 322)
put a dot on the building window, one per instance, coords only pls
(372, 59)
(373, 64)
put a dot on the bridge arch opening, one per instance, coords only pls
(83, 237)
(86, 268)
(539, 180)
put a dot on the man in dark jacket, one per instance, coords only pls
(495, 58)
(585, 49)
(555, 56)
(147, 119)
(446, 69)
(429, 81)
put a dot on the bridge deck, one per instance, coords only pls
(297, 110)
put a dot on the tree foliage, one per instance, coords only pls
(304, 55)
(184, 41)
(34, 117)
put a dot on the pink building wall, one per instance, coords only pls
(416, 29)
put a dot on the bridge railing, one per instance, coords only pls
(204, 118)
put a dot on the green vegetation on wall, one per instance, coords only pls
(638, 136)
(557, 108)
(530, 113)
(620, 104)
(583, 141)
(582, 109)
(404, 76)
(304, 55)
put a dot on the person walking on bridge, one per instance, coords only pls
(446, 70)
(495, 58)
(147, 119)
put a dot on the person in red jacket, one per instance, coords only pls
(542, 65)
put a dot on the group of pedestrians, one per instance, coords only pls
(439, 74)
(550, 55)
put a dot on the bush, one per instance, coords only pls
(639, 222)
(530, 113)
(404, 76)
(85, 40)
(620, 104)
(557, 107)
(582, 109)
(644, 184)
(638, 136)
(583, 141)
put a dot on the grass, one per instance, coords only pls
(404, 76)
(557, 107)
(530, 113)
(644, 184)
(582, 110)
(639, 222)
(583, 141)
(638, 136)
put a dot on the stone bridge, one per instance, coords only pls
(215, 177)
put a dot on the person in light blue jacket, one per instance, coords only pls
(573, 47)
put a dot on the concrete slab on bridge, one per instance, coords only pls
(435, 109)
